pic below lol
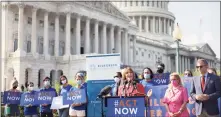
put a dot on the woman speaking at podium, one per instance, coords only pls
(131, 87)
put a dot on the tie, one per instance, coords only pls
(202, 82)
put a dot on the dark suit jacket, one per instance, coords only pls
(212, 88)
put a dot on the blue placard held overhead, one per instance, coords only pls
(126, 107)
(28, 99)
(74, 96)
(44, 97)
(11, 97)
(161, 79)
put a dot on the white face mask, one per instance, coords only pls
(116, 80)
(46, 83)
(63, 81)
(146, 76)
(31, 88)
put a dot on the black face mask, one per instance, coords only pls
(14, 87)
(160, 71)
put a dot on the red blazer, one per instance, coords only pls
(131, 91)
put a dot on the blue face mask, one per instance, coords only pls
(146, 76)
(79, 82)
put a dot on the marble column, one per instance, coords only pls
(169, 63)
(96, 39)
(68, 34)
(87, 36)
(168, 26)
(57, 35)
(104, 38)
(33, 32)
(45, 34)
(119, 40)
(78, 34)
(126, 46)
(164, 23)
(134, 48)
(112, 38)
(4, 15)
(188, 59)
(160, 26)
(140, 23)
(154, 22)
(147, 24)
(21, 27)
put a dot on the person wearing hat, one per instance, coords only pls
(65, 87)
(30, 110)
(78, 110)
(117, 80)
(14, 108)
(160, 68)
(45, 108)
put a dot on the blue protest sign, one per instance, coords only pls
(161, 79)
(28, 98)
(74, 96)
(44, 97)
(157, 108)
(131, 106)
(11, 97)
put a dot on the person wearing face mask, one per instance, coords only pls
(29, 110)
(14, 108)
(160, 68)
(45, 108)
(188, 73)
(78, 110)
(147, 76)
(176, 98)
(65, 87)
(117, 80)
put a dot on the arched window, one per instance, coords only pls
(40, 45)
(51, 47)
(61, 48)
(15, 44)
(28, 46)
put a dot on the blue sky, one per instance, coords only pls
(188, 15)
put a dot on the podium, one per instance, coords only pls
(125, 106)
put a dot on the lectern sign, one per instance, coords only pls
(127, 107)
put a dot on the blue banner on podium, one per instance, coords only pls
(127, 107)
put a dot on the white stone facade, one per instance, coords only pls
(41, 39)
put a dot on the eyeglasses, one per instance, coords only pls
(187, 74)
(200, 66)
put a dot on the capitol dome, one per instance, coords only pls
(151, 17)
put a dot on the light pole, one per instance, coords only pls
(177, 35)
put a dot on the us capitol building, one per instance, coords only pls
(41, 39)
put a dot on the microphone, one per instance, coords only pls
(134, 84)
(106, 90)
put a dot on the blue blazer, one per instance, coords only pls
(212, 88)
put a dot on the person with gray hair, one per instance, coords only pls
(205, 91)
(14, 108)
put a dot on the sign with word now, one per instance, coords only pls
(44, 97)
(161, 79)
(74, 96)
(129, 106)
(11, 97)
(28, 99)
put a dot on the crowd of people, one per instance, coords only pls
(205, 91)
